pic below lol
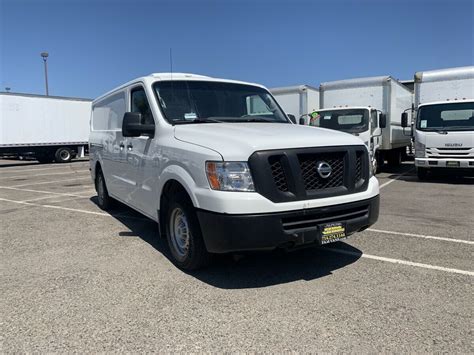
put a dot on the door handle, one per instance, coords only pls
(129, 146)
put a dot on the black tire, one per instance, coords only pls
(104, 201)
(379, 163)
(183, 234)
(63, 155)
(422, 173)
(394, 157)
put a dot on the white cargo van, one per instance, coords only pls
(444, 124)
(220, 167)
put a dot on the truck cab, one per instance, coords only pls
(363, 122)
(221, 168)
(444, 137)
(443, 128)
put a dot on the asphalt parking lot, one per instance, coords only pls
(75, 278)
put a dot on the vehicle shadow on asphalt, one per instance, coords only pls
(250, 270)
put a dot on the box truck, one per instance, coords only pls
(369, 108)
(47, 128)
(297, 101)
(443, 128)
(221, 168)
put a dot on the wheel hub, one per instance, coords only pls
(180, 232)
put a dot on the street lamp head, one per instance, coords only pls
(44, 55)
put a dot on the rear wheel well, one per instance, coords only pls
(171, 188)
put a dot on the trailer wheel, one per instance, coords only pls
(394, 157)
(184, 234)
(63, 155)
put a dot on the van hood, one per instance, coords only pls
(237, 141)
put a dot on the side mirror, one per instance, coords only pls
(404, 119)
(292, 118)
(132, 127)
(383, 120)
(302, 121)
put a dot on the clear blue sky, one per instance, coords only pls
(97, 45)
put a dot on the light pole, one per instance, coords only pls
(45, 57)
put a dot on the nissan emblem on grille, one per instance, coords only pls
(324, 169)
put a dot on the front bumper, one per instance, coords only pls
(444, 163)
(224, 233)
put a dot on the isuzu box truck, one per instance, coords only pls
(221, 168)
(443, 129)
(48, 128)
(370, 109)
(297, 101)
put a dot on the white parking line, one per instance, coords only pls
(395, 179)
(75, 209)
(7, 170)
(69, 172)
(76, 197)
(402, 262)
(422, 236)
(51, 182)
(57, 207)
(43, 192)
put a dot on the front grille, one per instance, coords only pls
(293, 174)
(359, 162)
(309, 170)
(278, 174)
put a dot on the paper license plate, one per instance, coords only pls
(452, 164)
(332, 232)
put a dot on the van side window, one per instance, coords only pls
(373, 119)
(107, 114)
(140, 104)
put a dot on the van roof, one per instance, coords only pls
(154, 77)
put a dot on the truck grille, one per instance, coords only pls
(309, 173)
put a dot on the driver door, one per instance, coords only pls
(375, 132)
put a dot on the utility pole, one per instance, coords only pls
(45, 57)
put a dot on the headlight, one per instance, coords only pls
(419, 150)
(229, 176)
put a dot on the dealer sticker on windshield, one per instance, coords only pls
(332, 232)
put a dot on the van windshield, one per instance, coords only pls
(349, 120)
(456, 116)
(206, 101)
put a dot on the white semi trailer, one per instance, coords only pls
(369, 108)
(443, 128)
(297, 101)
(48, 128)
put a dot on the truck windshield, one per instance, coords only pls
(347, 120)
(209, 102)
(456, 116)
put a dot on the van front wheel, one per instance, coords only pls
(184, 234)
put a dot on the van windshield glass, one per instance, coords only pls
(456, 116)
(350, 120)
(206, 101)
